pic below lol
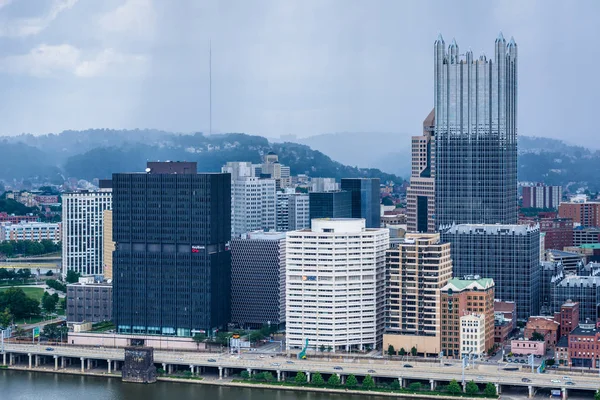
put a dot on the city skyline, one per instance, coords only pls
(326, 77)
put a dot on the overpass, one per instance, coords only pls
(87, 358)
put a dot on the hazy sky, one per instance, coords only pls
(299, 67)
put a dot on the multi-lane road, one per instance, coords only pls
(361, 367)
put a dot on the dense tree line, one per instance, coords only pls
(56, 285)
(8, 275)
(18, 304)
(28, 248)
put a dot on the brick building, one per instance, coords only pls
(586, 214)
(547, 327)
(569, 317)
(17, 219)
(584, 346)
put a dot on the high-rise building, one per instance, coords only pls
(541, 196)
(240, 169)
(324, 185)
(253, 205)
(508, 254)
(584, 290)
(109, 245)
(462, 298)
(172, 263)
(82, 231)
(335, 277)
(293, 211)
(550, 272)
(365, 199)
(416, 269)
(475, 102)
(585, 214)
(275, 170)
(330, 205)
(420, 195)
(258, 279)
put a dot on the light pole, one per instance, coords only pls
(464, 362)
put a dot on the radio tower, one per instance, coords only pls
(210, 86)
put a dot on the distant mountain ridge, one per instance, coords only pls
(97, 153)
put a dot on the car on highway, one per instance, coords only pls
(570, 383)
(407, 366)
(261, 356)
(566, 378)
(522, 361)
(555, 380)
(49, 349)
(275, 364)
(338, 368)
(289, 362)
(371, 371)
(480, 378)
(526, 380)
(211, 360)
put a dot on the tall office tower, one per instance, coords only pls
(240, 169)
(508, 254)
(172, 263)
(293, 212)
(82, 231)
(253, 204)
(365, 199)
(335, 285)
(420, 195)
(475, 103)
(258, 279)
(324, 185)
(541, 196)
(330, 205)
(416, 269)
(461, 297)
(109, 245)
(272, 167)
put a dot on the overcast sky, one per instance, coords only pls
(299, 67)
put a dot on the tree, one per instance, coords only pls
(597, 395)
(402, 352)
(329, 349)
(490, 390)
(333, 381)
(317, 379)
(49, 273)
(322, 348)
(72, 276)
(18, 303)
(368, 383)
(268, 376)
(199, 338)
(454, 387)
(538, 337)
(5, 318)
(391, 351)
(300, 378)
(49, 302)
(245, 375)
(415, 386)
(351, 382)
(413, 351)
(387, 201)
(395, 385)
(472, 388)
(255, 336)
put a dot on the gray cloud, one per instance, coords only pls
(281, 67)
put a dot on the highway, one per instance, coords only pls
(360, 367)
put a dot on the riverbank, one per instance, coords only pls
(231, 383)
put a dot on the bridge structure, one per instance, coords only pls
(111, 360)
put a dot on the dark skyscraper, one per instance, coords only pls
(475, 101)
(172, 263)
(330, 204)
(365, 199)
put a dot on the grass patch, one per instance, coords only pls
(32, 292)
(103, 326)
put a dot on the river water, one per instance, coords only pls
(22, 385)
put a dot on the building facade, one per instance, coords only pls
(17, 219)
(293, 211)
(83, 231)
(335, 277)
(365, 199)
(584, 346)
(569, 317)
(416, 269)
(584, 290)
(324, 185)
(475, 102)
(89, 302)
(541, 196)
(172, 263)
(34, 231)
(583, 235)
(462, 297)
(525, 347)
(253, 205)
(586, 214)
(258, 279)
(545, 326)
(508, 254)
(420, 195)
(473, 336)
(330, 205)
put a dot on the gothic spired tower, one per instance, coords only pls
(475, 135)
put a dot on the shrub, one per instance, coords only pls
(317, 379)
(415, 386)
(368, 383)
(333, 381)
(245, 375)
(472, 388)
(395, 385)
(490, 390)
(351, 382)
(300, 378)
(453, 387)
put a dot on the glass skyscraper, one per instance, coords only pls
(476, 135)
(365, 199)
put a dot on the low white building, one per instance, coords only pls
(35, 231)
(335, 285)
(472, 335)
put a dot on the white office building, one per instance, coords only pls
(253, 204)
(293, 211)
(82, 231)
(324, 185)
(335, 286)
(35, 231)
(240, 169)
(472, 335)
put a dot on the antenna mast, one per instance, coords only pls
(210, 86)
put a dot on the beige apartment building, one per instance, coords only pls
(109, 245)
(416, 269)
